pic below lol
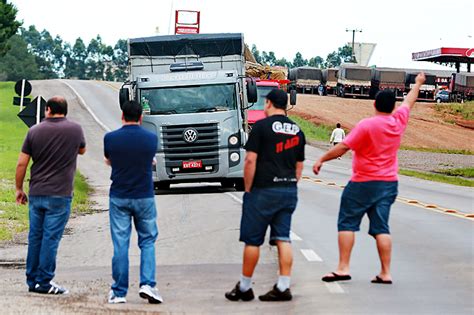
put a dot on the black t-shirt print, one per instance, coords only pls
(279, 144)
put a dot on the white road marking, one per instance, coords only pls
(97, 120)
(294, 237)
(311, 255)
(334, 287)
(234, 197)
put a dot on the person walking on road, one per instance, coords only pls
(130, 151)
(337, 135)
(373, 187)
(53, 145)
(273, 166)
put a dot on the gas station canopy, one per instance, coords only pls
(447, 55)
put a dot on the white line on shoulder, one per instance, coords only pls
(97, 120)
(311, 255)
(334, 287)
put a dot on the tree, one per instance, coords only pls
(299, 61)
(120, 60)
(268, 58)
(345, 53)
(317, 62)
(256, 54)
(283, 63)
(8, 25)
(76, 60)
(18, 63)
(333, 60)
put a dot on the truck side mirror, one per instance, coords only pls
(124, 96)
(292, 97)
(252, 95)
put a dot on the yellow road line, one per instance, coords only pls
(107, 83)
(410, 202)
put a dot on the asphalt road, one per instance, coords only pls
(199, 256)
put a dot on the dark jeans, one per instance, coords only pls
(373, 198)
(264, 207)
(143, 213)
(48, 218)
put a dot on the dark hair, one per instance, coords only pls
(132, 111)
(338, 125)
(57, 105)
(278, 98)
(385, 101)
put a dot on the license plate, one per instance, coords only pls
(192, 164)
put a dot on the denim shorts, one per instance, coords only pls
(374, 198)
(264, 207)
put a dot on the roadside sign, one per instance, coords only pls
(22, 88)
(26, 88)
(33, 113)
(17, 101)
(187, 22)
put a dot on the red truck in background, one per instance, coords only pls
(256, 113)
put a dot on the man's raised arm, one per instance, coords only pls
(413, 94)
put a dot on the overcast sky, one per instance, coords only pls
(314, 28)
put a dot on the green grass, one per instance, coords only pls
(313, 131)
(465, 110)
(434, 150)
(467, 172)
(439, 178)
(14, 218)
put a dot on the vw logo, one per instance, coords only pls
(190, 135)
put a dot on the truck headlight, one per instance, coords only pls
(234, 156)
(233, 140)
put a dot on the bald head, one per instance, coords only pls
(56, 106)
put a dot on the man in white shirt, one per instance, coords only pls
(337, 135)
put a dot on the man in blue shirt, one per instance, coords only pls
(130, 151)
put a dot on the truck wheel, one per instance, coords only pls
(162, 186)
(438, 100)
(239, 185)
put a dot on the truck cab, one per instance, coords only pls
(255, 112)
(194, 94)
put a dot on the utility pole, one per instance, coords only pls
(353, 40)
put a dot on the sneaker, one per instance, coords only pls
(116, 299)
(276, 295)
(236, 294)
(150, 294)
(52, 288)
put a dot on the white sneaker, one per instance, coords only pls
(151, 294)
(116, 299)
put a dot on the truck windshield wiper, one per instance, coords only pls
(163, 112)
(212, 109)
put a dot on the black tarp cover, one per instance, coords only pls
(202, 45)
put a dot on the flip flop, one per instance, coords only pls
(381, 281)
(336, 277)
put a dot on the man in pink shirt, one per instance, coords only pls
(373, 187)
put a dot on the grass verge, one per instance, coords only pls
(313, 131)
(441, 178)
(14, 218)
(433, 150)
(467, 172)
(465, 110)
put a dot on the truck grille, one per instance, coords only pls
(205, 148)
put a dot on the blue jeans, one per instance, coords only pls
(143, 213)
(48, 217)
(264, 207)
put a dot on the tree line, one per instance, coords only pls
(33, 54)
(333, 59)
(38, 55)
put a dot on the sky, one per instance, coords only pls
(313, 28)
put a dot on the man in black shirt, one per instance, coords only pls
(273, 166)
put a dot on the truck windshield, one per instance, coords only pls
(262, 92)
(189, 99)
